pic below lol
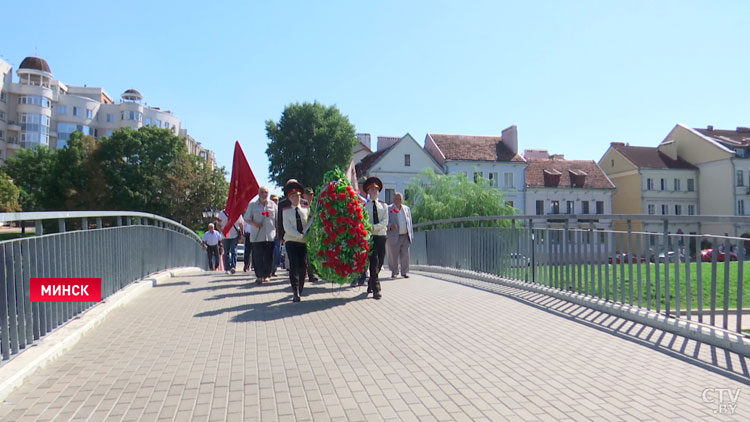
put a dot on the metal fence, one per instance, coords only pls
(691, 275)
(119, 248)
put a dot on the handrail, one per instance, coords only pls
(641, 217)
(58, 215)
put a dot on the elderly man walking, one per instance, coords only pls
(211, 244)
(261, 216)
(400, 234)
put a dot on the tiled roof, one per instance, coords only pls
(649, 157)
(592, 175)
(35, 63)
(475, 148)
(730, 138)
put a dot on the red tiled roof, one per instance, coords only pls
(475, 148)
(649, 157)
(594, 176)
(730, 138)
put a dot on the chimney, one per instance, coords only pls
(710, 127)
(510, 138)
(365, 139)
(742, 129)
(617, 144)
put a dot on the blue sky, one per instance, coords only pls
(573, 76)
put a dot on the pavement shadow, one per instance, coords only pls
(280, 308)
(706, 356)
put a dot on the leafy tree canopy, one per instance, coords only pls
(10, 195)
(147, 170)
(309, 140)
(437, 197)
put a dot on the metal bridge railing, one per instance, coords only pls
(133, 246)
(672, 265)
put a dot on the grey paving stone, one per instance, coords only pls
(223, 348)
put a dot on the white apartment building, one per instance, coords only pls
(396, 162)
(39, 110)
(493, 157)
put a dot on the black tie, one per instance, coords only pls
(375, 218)
(299, 220)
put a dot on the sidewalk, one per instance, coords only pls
(219, 347)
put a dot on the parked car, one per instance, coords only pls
(706, 256)
(624, 257)
(518, 260)
(669, 256)
(241, 251)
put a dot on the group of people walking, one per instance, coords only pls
(267, 223)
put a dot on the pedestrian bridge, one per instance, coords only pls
(445, 344)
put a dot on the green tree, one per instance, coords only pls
(32, 169)
(437, 197)
(308, 141)
(10, 195)
(138, 167)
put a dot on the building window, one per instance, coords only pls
(493, 179)
(691, 185)
(740, 178)
(651, 209)
(158, 123)
(691, 209)
(570, 205)
(676, 184)
(741, 207)
(555, 207)
(62, 110)
(89, 113)
(649, 184)
(477, 175)
(407, 160)
(3, 98)
(146, 121)
(110, 117)
(585, 207)
(600, 207)
(509, 204)
(76, 111)
(389, 194)
(678, 210)
(539, 207)
(663, 184)
(34, 100)
(508, 180)
(664, 209)
(131, 115)
(2, 135)
(108, 133)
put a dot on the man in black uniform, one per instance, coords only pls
(283, 204)
(378, 212)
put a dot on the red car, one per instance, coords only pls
(624, 257)
(706, 256)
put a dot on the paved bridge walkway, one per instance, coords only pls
(216, 347)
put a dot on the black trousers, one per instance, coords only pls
(297, 252)
(262, 258)
(247, 259)
(213, 256)
(377, 255)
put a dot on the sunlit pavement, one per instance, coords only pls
(219, 347)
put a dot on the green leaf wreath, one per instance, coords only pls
(338, 239)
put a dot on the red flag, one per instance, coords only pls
(242, 188)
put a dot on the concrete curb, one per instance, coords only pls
(38, 355)
(690, 329)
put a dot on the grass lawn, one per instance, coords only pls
(546, 275)
(11, 236)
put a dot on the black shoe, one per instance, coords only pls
(406, 275)
(296, 298)
(377, 296)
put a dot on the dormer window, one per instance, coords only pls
(552, 178)
(577, 178)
